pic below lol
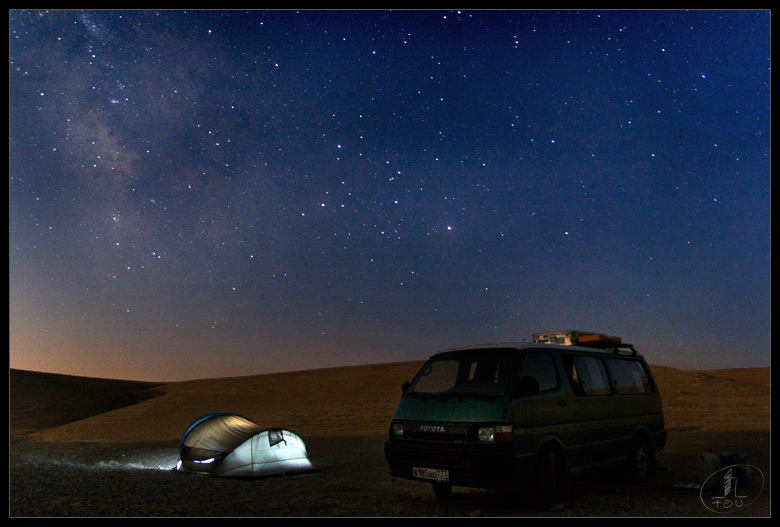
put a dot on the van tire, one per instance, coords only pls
(639, 460)
(442, 491)
(550, 478)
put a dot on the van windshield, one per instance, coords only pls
(477, 373)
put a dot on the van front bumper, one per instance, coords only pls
(468, 465)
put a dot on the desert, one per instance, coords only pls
(87, 447)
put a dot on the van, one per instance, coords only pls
(506, 415)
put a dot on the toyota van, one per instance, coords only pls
(511, 414)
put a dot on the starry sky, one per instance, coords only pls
(207, 194)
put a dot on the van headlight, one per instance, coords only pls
(486, 434)
(397, 429)
(500, 434)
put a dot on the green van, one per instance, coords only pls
(505, 415)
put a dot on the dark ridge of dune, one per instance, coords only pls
(39, 400)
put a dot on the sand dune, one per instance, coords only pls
(45, 400)
(349, 400)
(749, 375)
(355, 400)
(716, 399)
(59, 423)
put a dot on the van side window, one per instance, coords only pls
(587, 375)
(542, 367)
(630, 376)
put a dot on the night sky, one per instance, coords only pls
(208, 194)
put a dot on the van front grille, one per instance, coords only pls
(441, 432)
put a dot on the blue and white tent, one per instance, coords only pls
(222, 444)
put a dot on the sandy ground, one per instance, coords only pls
(95, 448)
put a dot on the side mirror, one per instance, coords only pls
(404, 387)
(526, 386)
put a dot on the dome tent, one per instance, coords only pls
(222, 444)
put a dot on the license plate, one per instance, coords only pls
(435, 474)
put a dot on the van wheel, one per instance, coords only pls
(550, 478)
(639, 460)
(442, 491)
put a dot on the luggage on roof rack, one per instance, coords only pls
(605, 342)
(598, 337)
(584, 338)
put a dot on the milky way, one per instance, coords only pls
(211, 193)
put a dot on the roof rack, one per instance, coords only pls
(606, 343)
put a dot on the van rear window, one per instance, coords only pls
(465, 375)
(630, 376)
(587, 375)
